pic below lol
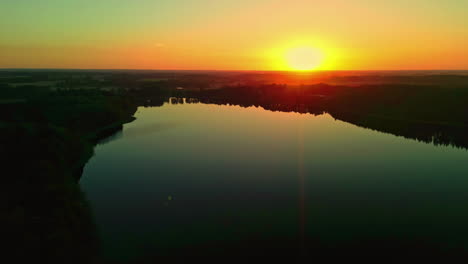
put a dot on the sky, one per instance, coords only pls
(233, 34)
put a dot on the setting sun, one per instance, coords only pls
(303, 58)
(304, 54)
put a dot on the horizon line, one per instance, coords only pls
(211, 70)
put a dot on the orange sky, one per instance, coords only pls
(233, 35)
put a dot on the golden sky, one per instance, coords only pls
(233, 35)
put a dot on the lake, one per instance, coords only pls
(191, 176)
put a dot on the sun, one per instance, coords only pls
(303, 58)
(304, 54)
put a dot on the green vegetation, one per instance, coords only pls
(48, 133)
(46, 139)
(433, 114)
(417, 104)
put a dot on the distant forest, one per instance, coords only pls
(51, 120)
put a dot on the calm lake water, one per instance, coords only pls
(193, 174)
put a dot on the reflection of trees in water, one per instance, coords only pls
(149, 129)
(425, 132)
(116, 135)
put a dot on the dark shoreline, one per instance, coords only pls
(47, 216)
(49, 135)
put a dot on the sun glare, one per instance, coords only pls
(304, 54)
(303, 58)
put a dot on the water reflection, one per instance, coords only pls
(243, 180)
(456, 136)
(116, 135)
(149, 129)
